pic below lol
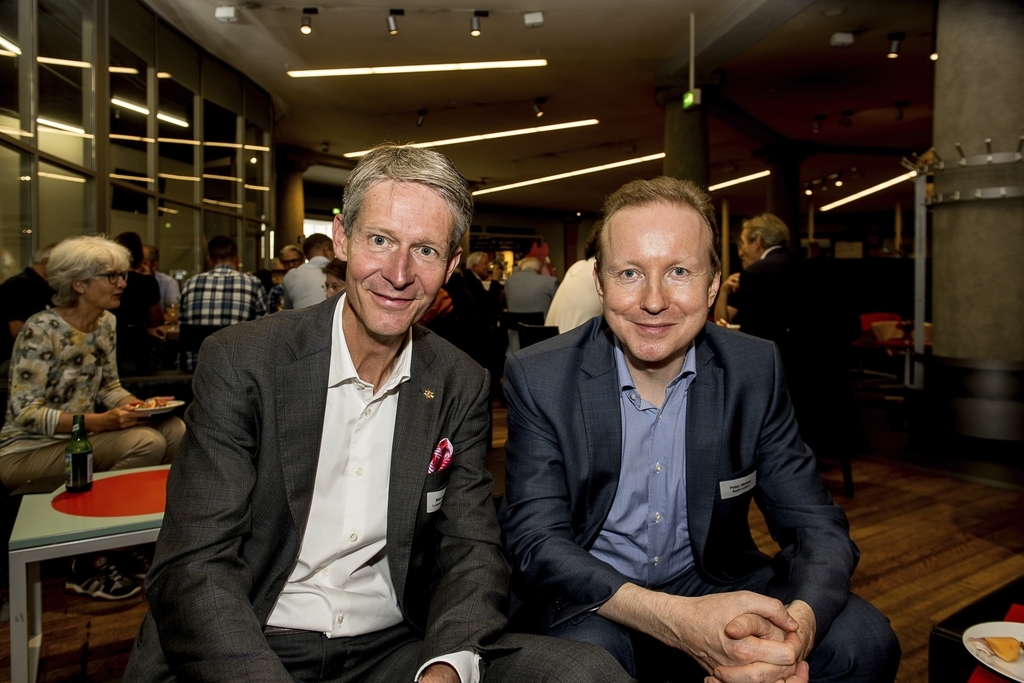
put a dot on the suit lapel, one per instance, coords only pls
(411, 450)
(704, 442)
(301, 399)
(599, 402)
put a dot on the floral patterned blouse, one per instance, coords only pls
(56, 369)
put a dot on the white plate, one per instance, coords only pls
(1012, 670)
(168, 407)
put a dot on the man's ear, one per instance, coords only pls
(716, 282)
(338, 232)
(597, 283)
(453, 261)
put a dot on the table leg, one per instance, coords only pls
(19, 619)
(35, 623)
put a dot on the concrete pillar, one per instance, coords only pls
(291, 203)
(687, 150)
(978, 244)
(783, 196)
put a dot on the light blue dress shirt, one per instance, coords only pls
(646, 535)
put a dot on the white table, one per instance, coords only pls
(43, 533)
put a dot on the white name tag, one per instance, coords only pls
(434, 499)
(737, 487)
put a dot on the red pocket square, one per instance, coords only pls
(442, 456)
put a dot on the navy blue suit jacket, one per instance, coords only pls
(563, 460)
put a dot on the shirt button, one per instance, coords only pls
(632, 397)
(657, 467)
(657, 560)
(341, 618)
(354, 537)
(359, 471)
(366, 413)
(657, 517)
(326, 572)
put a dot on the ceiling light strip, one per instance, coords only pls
(125, 176)
(231, 145)
(15, 132)
(737, 181)
(9, 45)
(64, 62)
(118, 102)
(60, 176)
(172, 119)
(218, 203)
(8, 53)
(257, 148)
(130, 138)
(870, 190)
(172, 176)
(490, 136)
(418, 68)
(212, 176)
(570, 174)
(123, 70)
(166, 210)
(179, 141)
(261, 188)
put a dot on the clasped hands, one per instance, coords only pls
(738, 637)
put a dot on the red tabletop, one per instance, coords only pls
(131, 493)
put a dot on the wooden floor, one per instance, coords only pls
(930, 545)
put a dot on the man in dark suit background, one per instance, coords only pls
(636, 444)
(329, 515)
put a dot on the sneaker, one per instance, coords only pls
(133, 563)
(105, 582)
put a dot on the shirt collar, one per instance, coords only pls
(626, 380)
(769, 250)
(344, 370)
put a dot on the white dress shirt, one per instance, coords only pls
(341, 583)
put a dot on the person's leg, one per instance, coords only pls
(596, 630)
(18, 468)
(541, 659)
(172, 429)
(127, 449)
(379, 657)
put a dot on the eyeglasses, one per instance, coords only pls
(114, 275)
(292, 262)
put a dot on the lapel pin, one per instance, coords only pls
(428, 394)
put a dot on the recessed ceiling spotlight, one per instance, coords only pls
(808, 192)
(226, 13)
(537, 111)
(834, 12)
(474, 23)
(306, 27)
(894, 44)
(533, 19)
(841, 39)
(393, 22)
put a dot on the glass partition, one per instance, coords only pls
(221, 180)
(180, 254)
(64, 71)
(15, 211)
(65, 204)
(129, 212)
(129, 114)
(13, 77)
(177, 144)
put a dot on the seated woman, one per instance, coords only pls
(334, 277)
(65, 363)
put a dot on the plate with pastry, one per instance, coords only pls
(156, 406)
(999, 645)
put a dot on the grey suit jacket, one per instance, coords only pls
(562, 471)
(240, 490)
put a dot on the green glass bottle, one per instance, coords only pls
(78, 459)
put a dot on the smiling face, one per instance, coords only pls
(656, 283)
(397, 261)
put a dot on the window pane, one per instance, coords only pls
(175, 237)
(257, 188)
(129, 113)
(221, 182)
(15, 211)
(14, 68)
(253, 249)
(128, 212)
(65, 204)
(66, 51)
(176, 134)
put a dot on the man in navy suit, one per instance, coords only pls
(636, 443)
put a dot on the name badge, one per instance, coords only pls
(737, 487)
(434, 499)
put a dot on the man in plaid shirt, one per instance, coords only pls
(221, 296)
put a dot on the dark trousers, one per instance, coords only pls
(860, 646)
(392, 656)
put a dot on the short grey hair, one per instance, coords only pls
(42, 253)
(78, 259)
(475, 258)
(406, 164)
(531, 263)
(770, 228)
(664, 190)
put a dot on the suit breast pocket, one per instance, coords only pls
(434, 489)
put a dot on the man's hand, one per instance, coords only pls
(751, 626)
(440, 673)
(763, 632)
(731, 284)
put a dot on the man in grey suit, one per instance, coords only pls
(528, 290)
(636, 444)
(329, 516)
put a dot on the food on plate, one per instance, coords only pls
(1006, 648)
(151, 403)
